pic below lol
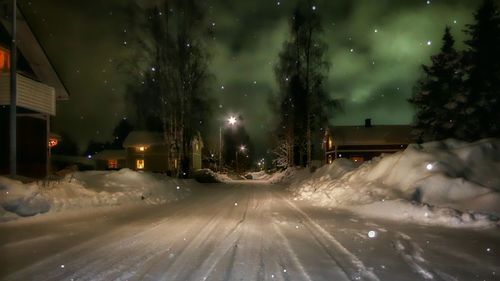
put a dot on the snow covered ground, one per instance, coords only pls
(240, 231)
(341, 223)
(448, 183)
(88, 189)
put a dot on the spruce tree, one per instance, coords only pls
(481, 110)
(434, 94)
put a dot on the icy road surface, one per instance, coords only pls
(240, 231)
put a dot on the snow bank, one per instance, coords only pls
(261, 175)
(209, 176)
(88, 189)
(447, 183)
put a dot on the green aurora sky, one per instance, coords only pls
(375, 50)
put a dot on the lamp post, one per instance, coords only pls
(231, 121)
(242, 149)
(13, 95)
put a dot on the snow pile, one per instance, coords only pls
(261, 175)
(209, 176)
(88, 189)
(447, 183)
(289, 176)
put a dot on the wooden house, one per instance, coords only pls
(146, 151)
(38, 89)
(362, 143)
(111, 160)
(196, 155)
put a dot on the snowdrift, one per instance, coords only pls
(447, 183)
(88, 189)
(209, 176)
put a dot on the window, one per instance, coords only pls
(139, 164)
(141, 148)
(4, 60)
(358, 159)
(112, 164)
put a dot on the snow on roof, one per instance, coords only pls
(111, 155)
(374, 135)
(142, 138)
(34, 53)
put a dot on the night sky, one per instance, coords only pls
(375, 49)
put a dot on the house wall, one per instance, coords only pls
(155, 158)
(362, 153)
(103, 164)
(31, 145)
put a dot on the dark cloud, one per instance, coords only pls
(375, 49)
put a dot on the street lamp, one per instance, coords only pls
(231, 121)
(242, 149)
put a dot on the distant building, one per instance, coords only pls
(38, 89)
(111, 160)
(362, 143)
(147, 151)
(197, 148)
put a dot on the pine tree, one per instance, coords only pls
(434, 94)
(481, 109)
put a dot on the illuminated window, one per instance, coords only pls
(141, 148)
(112, 164)
(4, 60)
(358, 159)
(139, 164)
(330, 143)
(53, 142)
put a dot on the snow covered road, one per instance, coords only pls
(239, 231)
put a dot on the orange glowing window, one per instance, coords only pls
(53, 142)
(141, 148)
(4, 59)
(112, 164)
(358, 159)
(139, 164)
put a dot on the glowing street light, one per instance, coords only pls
(242, 148)
(231, 121)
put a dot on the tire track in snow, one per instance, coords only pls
(412, 254)
(201, 241)
(347, 261)
(101, 264)
(224, 246)
(138, 250)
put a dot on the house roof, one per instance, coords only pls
(142, 138)
(374, 135)
(111, 155)
(33, 51)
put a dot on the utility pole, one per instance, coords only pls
(13, 94)
(220, 148)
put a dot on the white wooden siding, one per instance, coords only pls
(30, 94)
